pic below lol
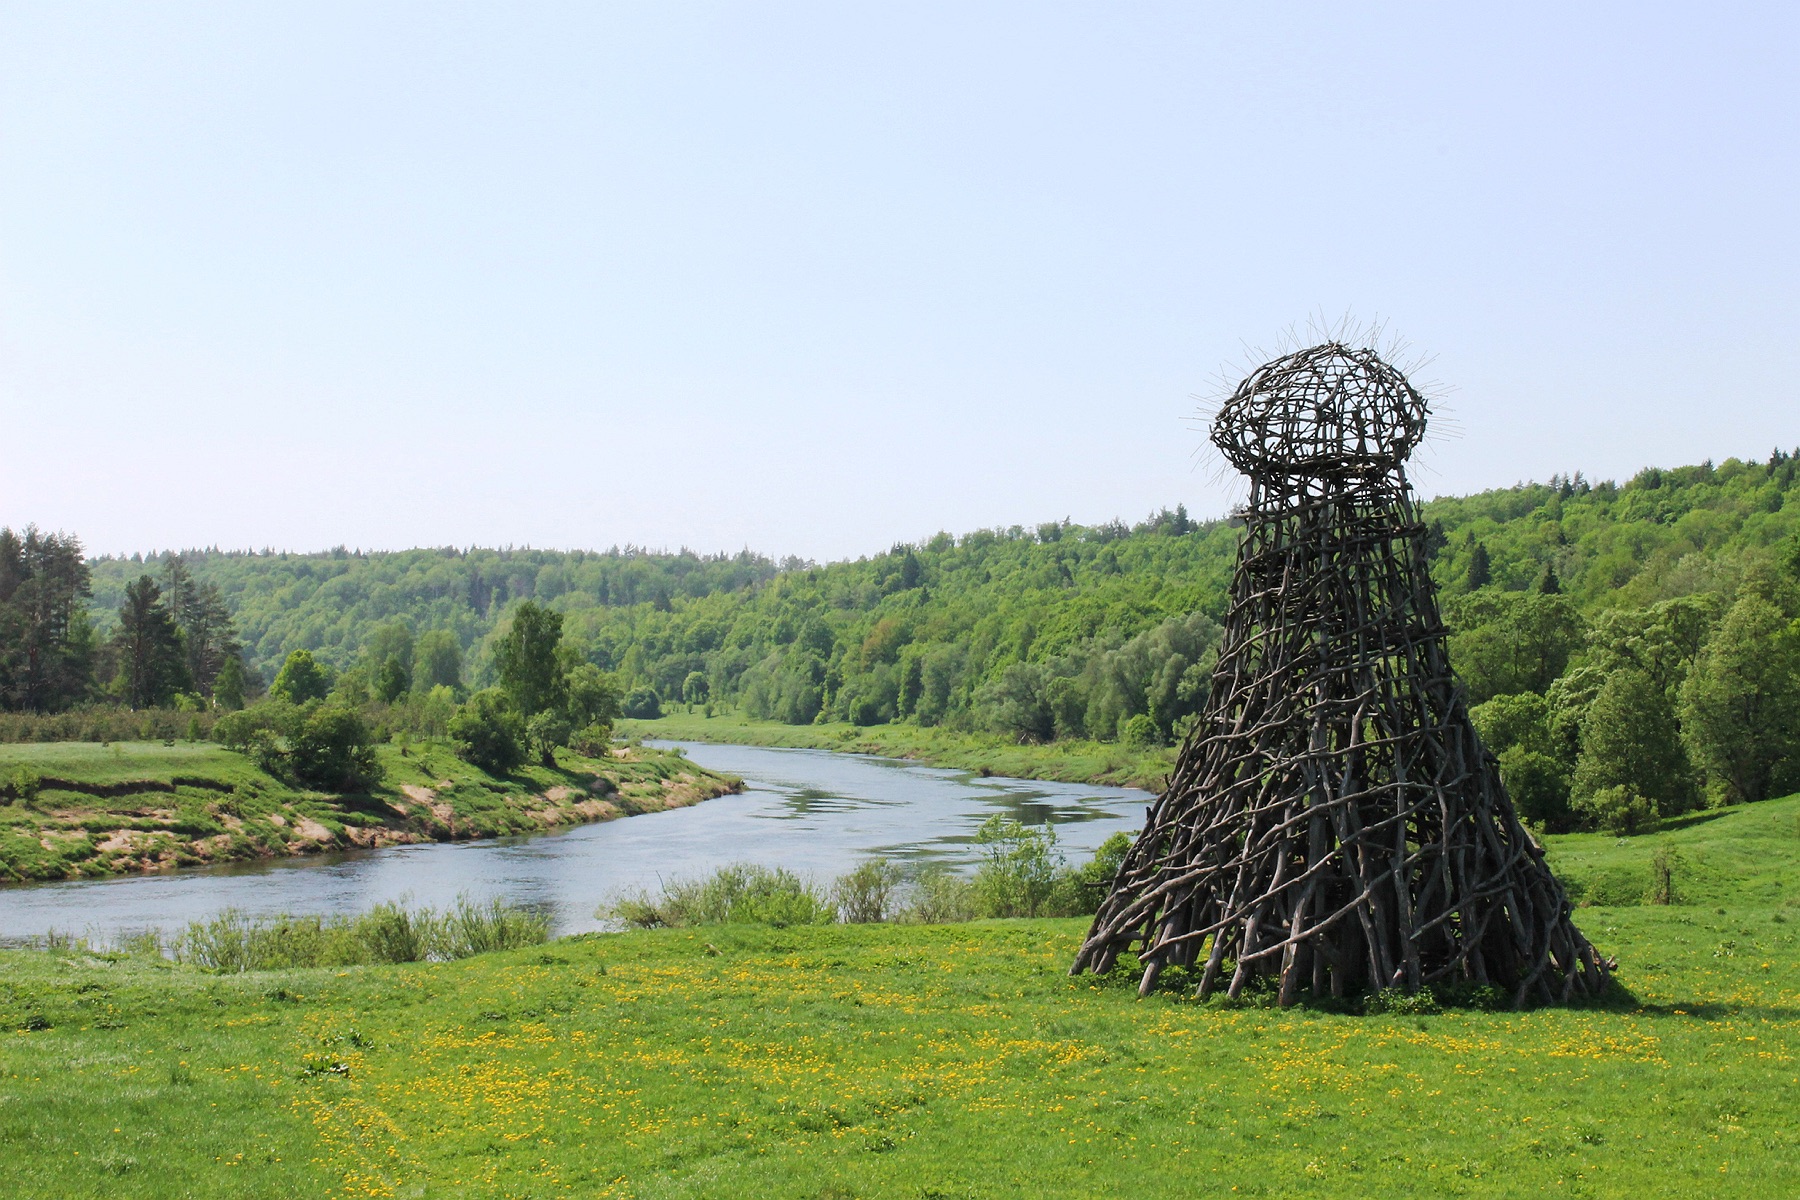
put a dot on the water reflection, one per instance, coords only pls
(812, 811)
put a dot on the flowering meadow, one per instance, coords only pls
(918, 1061)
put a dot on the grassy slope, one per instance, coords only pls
(1070, 761)
(222, 807)
(893, 1061)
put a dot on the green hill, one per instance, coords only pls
(918, 632)
(1633, 646)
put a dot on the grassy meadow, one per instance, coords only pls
(925, 1061)
(1070, 760)
(91, 809)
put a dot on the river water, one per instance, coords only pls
(815, 812)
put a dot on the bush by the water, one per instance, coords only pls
(1023, 874)
(237, 941)
(741, 893)
(489, 732)
(319, 744)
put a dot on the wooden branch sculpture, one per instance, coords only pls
(1333, 822)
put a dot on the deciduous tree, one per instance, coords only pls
(301, 679)
(530, 669)
(1741, 703)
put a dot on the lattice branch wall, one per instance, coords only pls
(1333, 822)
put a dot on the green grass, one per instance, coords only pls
(1070, 761)
(200, 803)
(908, 1061)
(112, 763)
(1744, 855)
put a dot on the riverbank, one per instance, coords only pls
(81, 809)
(1104, 763)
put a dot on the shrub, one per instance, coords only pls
(266, 750)
(546, 731)
(22, 785)
(471, 928)
(237, 730)
(1620, 810)
(235, 941)
(326, 746)
(1399, 1003)
(1140, 732)
(1079, 892)
(865, 896)
(1664, 866)
(592, 741)
(393, 933)
(332, 749)
(642, 704)
(487, 732)
(1020, 871)
(938, 896)
(741, 893)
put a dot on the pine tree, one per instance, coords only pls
(46, 639)
(1480, 570)
(152, 658)
(208, 632)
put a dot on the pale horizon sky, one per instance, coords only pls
(817, 278)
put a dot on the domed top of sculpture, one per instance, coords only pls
(1326, 410)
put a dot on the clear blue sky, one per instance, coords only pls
(819, 277)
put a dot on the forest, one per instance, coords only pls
(1631, 649)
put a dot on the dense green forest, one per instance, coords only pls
(1631, 647)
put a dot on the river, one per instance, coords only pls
(815, 812)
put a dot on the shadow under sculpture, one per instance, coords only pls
(1333, 822)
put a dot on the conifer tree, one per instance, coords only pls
(46, 639)
(152, 658)
(1480, 570)
(209, 635)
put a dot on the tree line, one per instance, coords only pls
(1564, 599)
(172, 638)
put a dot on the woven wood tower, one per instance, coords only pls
(1333, 821)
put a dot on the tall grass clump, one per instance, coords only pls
(741, 893)
(236, 941)
(938, 896)
(471, 928)
(1022, 875)
(867, 895)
